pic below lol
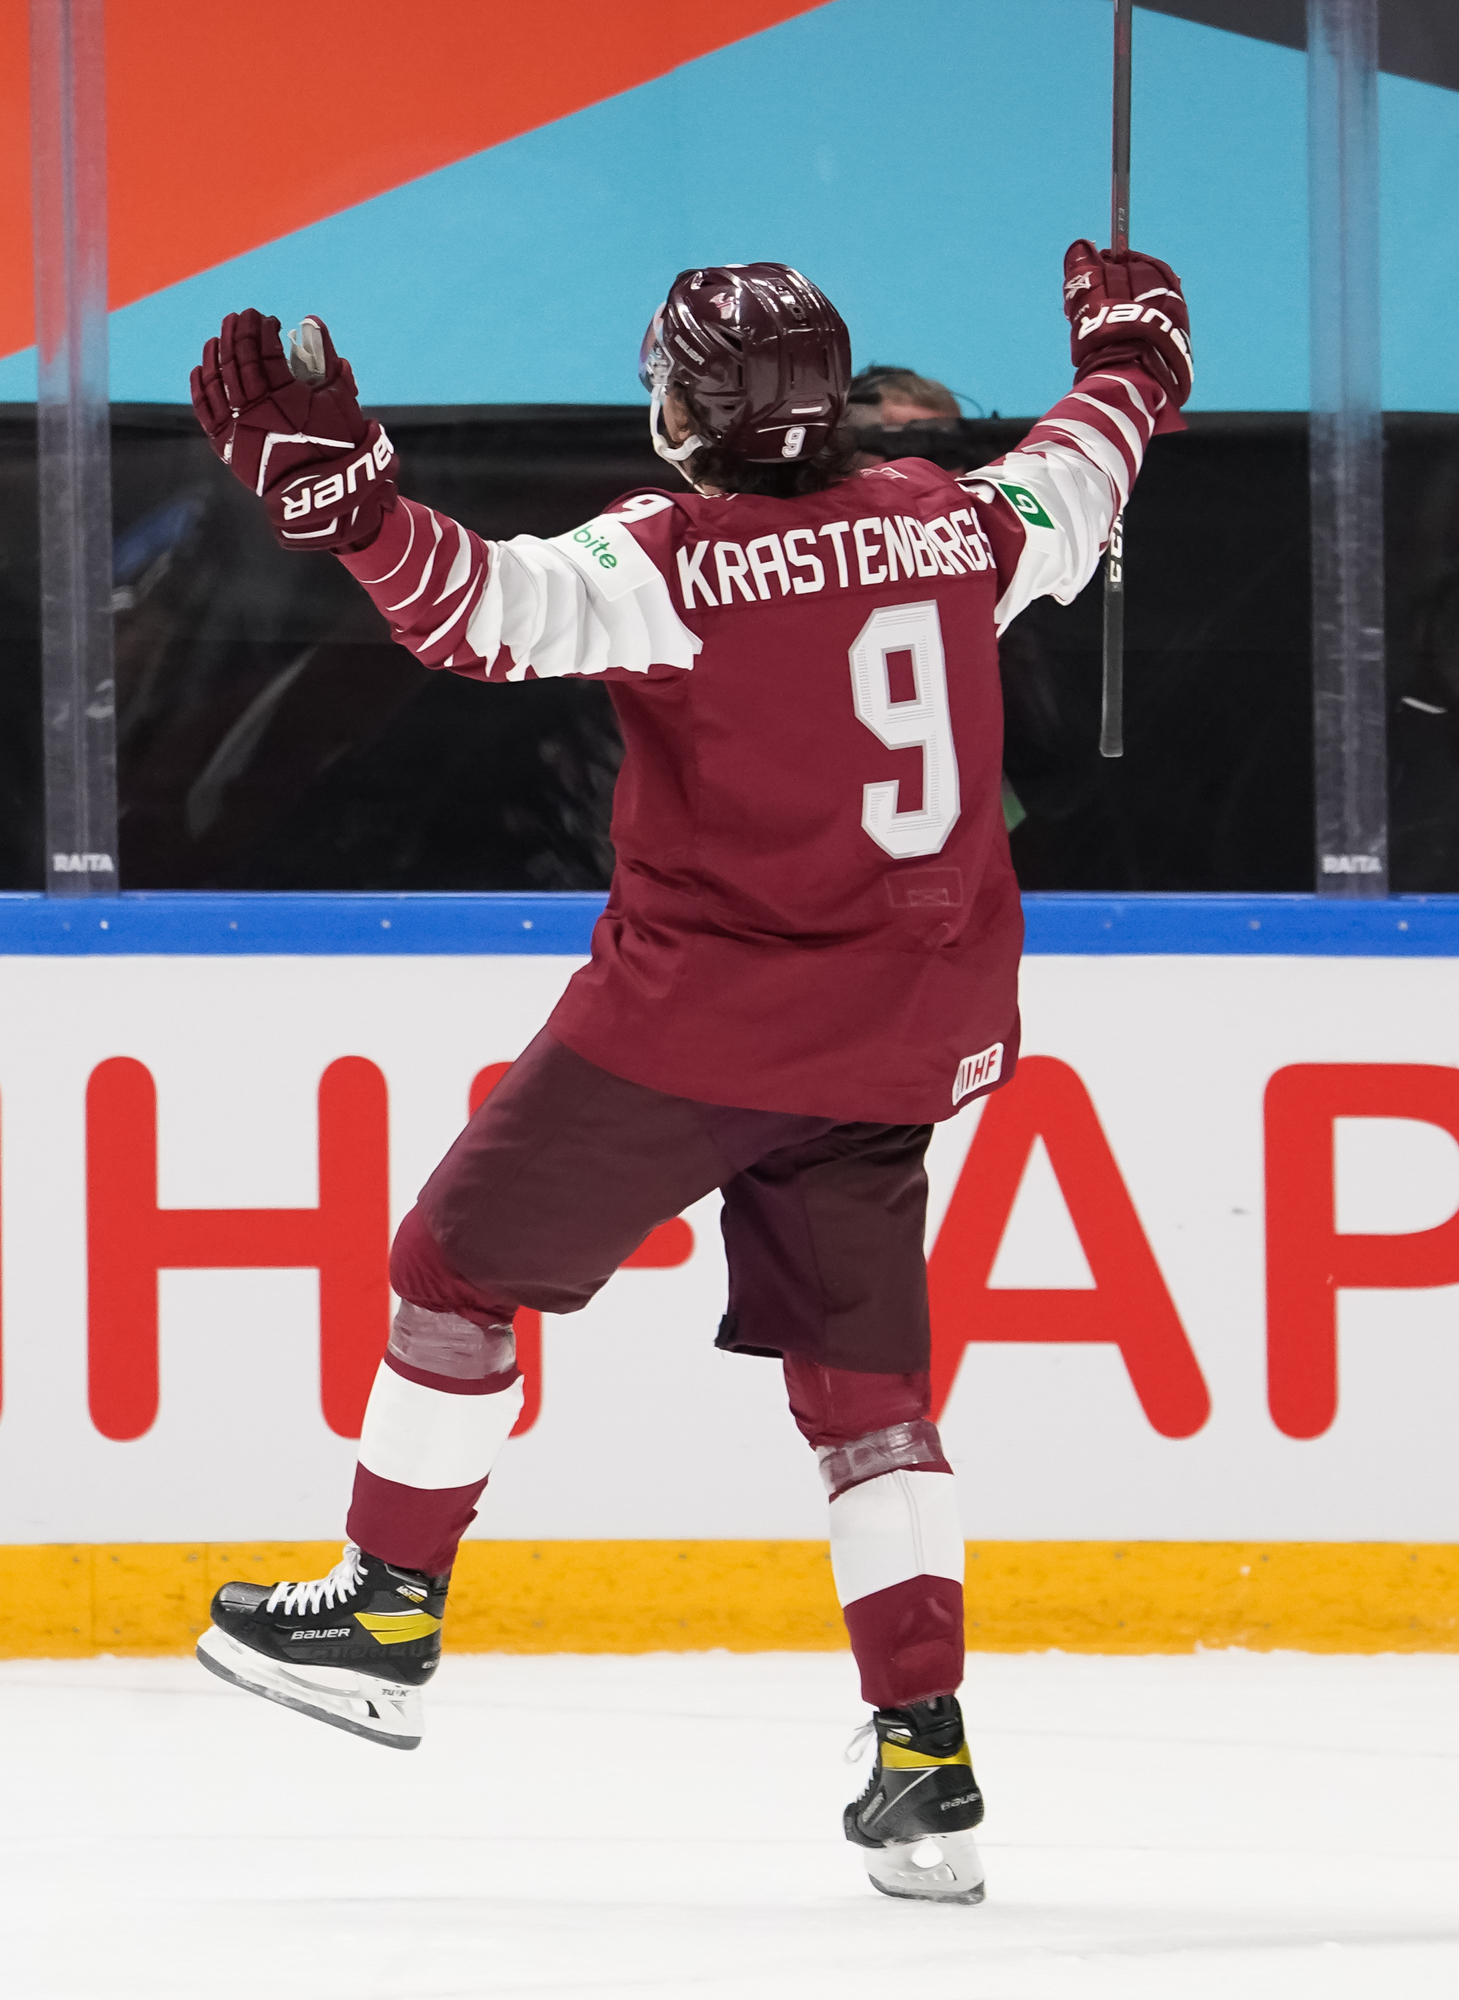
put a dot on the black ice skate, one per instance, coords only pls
(914, 1822)
(353, 1648)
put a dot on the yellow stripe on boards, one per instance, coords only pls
(68, 1601)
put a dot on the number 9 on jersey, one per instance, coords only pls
(923, 723)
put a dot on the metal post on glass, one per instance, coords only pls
(1348, 690)
(1112, 702)
(68, 158)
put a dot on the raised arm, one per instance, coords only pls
(590, 602)
(1048, 505)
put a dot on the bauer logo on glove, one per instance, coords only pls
(292, 430)
(1124, 306)
(308, 494)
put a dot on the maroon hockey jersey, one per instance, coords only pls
(813, 908)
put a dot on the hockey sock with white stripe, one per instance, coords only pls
(897, 1554)
(444, 1402)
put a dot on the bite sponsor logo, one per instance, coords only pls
(596, 546)
(977, 1072)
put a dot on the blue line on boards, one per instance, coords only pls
(187, 923)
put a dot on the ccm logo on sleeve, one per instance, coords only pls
(977, 1072)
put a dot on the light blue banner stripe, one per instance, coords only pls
(181, 924)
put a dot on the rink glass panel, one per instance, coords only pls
(271, 737)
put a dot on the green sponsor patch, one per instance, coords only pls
(1023, 501)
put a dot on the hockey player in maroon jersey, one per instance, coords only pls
(809, 954)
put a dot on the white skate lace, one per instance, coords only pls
(342, 1582)
(856, 1749)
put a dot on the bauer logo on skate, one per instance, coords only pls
(1169, 1296)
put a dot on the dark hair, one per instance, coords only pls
(873, 385)
(713, 466)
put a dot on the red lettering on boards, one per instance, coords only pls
(1308, 1262)
(1129, 1307)
(130, 1239)
(2, 1323)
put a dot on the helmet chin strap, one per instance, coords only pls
(675, 454)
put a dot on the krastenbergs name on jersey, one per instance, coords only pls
(843, 555)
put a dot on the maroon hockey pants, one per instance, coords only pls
(558, 1177)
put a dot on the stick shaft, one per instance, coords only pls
(1112, 705)
(1119, 176)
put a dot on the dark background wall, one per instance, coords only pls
(1416, 38)
(271, 737)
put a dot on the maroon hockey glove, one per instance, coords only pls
(1123, 306)
(294, 433)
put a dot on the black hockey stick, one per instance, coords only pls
(1112, 715)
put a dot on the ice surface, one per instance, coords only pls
(1222, 1824)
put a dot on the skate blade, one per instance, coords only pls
(939, 1868)
(381, 1711)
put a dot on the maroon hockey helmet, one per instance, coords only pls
(765, 356)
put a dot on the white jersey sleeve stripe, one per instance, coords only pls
(1127, 429)
(460, 566)
(1123, 382)
(1097, 448)
(429, 560)
(1078, 501)
(1077, 464)
(559, 610)
(590, 602)
(432, 638)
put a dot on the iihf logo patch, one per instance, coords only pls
(977, 1072)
